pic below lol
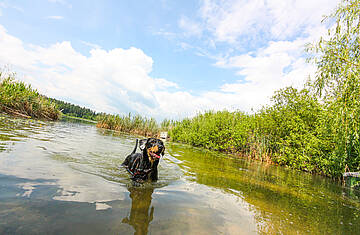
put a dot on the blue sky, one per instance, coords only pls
(164, 59)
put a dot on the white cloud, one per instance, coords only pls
(278, 65)
(227, 20)
(185, 46)
(62, 2)
(264, 70)
(114, 81)
(282, 27)
(92, 45)
(55, 17)
(191, 28)
(231, 19)
(6, 5)
(292, 17)
(166, 34)
(102, 81)
(163, 83)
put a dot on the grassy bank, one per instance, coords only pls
(17, 98)
(133, 124)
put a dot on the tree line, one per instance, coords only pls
(75, 110)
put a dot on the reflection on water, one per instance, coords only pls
(64, 178)
(281, 199)
(27, 207)
(140, 215)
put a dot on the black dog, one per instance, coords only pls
(143, 166)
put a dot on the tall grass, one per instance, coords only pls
(17, 98)
(133, 124)
(295, 131)
(222, 130)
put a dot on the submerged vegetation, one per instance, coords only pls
(315, 129)
(19, 99)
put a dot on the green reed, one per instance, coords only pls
(134, 124)
(296, 131)
(18, 98)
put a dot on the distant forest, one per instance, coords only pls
(75, 110)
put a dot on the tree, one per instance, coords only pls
(337, 81)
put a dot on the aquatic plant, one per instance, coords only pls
(18, 98)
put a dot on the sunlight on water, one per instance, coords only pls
(65, 177)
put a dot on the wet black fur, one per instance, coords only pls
(139, 165)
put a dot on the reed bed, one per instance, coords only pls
(134, 124)
(19, 99)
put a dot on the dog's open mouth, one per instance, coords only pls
(154, 155)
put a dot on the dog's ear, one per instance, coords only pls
(142, 144)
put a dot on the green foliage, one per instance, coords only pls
(19, 99)
(291, 132)
(296, 130)
(338, 83)
(223, 130)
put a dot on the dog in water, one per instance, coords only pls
(143, 166)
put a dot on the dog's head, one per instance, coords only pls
(153, 148)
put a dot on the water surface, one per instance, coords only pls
(64, 178)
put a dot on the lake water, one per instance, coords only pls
(65, 178)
